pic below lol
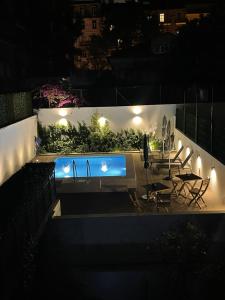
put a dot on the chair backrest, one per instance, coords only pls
(204, 186)
(177, 154)
(183, 164)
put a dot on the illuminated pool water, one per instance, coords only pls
(90, 166)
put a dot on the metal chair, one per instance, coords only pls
(198, 192)
(175, 180)
(163, 199)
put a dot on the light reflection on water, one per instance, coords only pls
(100, 166)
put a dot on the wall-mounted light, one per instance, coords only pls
(62, 112)
(63, 122)
(213, 175)
(136, 110)
(179, 144)
(137, 120)
(102, 121)
(199, 164)
(188, 151)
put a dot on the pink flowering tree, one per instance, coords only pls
(54, 95)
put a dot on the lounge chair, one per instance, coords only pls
(182, 165)
(176, 158)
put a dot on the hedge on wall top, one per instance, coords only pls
(92, 138)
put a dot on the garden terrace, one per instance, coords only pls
(92, 190)
(121, 129)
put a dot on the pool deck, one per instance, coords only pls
(132, 184)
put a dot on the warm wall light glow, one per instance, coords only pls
(137, 120)
(63, 122)
(179, 144)
(199, 164)
(213, 176)
(136, 110)
(66, 169)
(102, 121)
(20, 155)
(62, 112)
(188, 150)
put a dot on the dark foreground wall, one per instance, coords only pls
(129, 228)
(115, 258)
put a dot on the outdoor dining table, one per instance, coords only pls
(153, 188)
(186, 178)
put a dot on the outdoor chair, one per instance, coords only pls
(176, 158)
(163, 200)
(182, 165)
(197, 193)
(134, 199)
(175, 180)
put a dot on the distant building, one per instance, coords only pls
(172, 19)
(92, 16)
(14, 56)
(89, 13)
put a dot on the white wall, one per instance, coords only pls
(203, 166)
(17, 146)
(122, 117)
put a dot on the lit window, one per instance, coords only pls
(162, 18)
(94, 24)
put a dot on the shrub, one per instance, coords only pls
(92, 138)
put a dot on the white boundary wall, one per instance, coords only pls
(17, 146)
(144, 117)
(205, 165)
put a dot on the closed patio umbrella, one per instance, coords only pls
(164, 125)
(146, 151)
(146, 158)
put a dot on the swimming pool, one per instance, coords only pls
(90, 166)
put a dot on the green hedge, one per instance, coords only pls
(15, 107)
(92, 138)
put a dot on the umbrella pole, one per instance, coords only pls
(169, 167)
(169, 157)
(145, 196)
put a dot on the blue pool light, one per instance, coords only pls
(100, 166)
